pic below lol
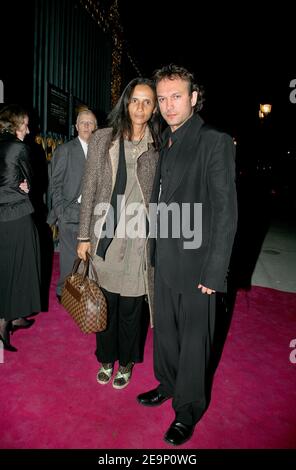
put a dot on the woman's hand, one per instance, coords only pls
(82, 249)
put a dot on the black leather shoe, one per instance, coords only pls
(178, 433)
(59, 298)
(152, 398)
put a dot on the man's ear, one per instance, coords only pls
(194, 97)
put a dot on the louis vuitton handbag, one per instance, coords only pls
(83, 298)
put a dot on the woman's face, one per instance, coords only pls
(23, 130)
(142, 104)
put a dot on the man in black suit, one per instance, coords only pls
(67, 168)
(196, 172)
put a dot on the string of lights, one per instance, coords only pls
(108, 19)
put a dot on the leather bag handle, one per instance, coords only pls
(87, 264)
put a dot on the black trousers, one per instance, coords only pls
(183, 336)
(122, 340)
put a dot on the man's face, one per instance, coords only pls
(85, 126)
(175, 102)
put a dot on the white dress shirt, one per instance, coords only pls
(84, 146)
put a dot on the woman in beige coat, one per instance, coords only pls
(117, 187)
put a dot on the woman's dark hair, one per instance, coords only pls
(12, 116)
(119, 118)
(172, 72)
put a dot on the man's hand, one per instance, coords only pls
(206, 290)
(82, 249)
(24, 186)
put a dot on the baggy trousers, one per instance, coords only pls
(122, 340)
(183, 336)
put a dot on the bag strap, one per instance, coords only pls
(76, 266)
(87, 264)
(90, 263)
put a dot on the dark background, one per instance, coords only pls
(242, 56)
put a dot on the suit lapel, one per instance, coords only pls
(78, 150)
(186, 154)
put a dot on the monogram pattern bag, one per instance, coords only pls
(83, 298)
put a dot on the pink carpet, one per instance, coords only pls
(50, 398)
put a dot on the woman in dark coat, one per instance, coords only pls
(19, 249)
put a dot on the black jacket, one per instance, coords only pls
(14, 168)
(204, 173)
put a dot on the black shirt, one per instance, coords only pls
(169, 154)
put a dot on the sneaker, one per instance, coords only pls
(123, 376)
(105, 373)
